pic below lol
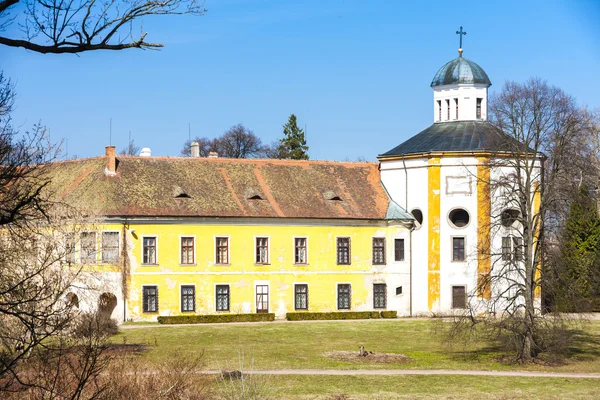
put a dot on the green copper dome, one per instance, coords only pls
(460, 70)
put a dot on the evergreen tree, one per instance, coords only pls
(293, 144)
(575, 280)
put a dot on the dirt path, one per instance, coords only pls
(392, 372)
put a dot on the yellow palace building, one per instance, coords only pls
(192, 235)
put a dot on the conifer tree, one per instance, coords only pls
(293, 144)
(575, 279)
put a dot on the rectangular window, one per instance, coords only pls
(512, 248)
(456, 104)
(88, 247)
(459, 297)
(150, 299)
(222, 250)
(110, 247)
(300, 251)
(506, 248)
(379, 251)
(379, 295)
(458, 249)
(447, 109)
(398, 249)
(301, 297)
(343, 251)
(187, 250)
(439, 104)
(344, 292)
(478, 108)
(262, 298)
(69, 255)
(518, 248)
(149, 250)
(262, 250)
(222, 297)
(188, 298)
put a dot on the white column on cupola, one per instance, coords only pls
(460, 90)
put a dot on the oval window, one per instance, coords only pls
(418, 215)
(509, 217)
(459, 217)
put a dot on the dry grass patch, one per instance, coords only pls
(371, 358)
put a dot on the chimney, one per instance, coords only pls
(146, 152)
(195, 147)
(111, 161)
(213, 154)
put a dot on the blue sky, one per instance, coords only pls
(356, 73)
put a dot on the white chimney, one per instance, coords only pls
(195, 147)
(213, 154)
(146, 152)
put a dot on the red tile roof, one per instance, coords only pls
(221, 187)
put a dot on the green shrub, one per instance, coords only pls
(311, 316)
(389, 314)
(215, 318)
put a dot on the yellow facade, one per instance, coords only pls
(321, 273)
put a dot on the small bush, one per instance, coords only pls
(311, 316)
(215, 318)
(94, 324)
(389, 314)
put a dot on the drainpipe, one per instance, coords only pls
(410, 238)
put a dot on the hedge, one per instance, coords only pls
(305, 316)
(389, 314)
(215, 318)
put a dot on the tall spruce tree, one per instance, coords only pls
(293, 144)
(575, 278)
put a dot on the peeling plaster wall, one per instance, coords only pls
(322, 273)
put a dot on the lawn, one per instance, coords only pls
(308, 346)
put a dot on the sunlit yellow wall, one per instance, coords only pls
(321, 273)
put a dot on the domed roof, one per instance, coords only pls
(460, 70)
(456, 136)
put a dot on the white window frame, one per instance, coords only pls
(157, 299)
(262, 283)
(81, 247)
(102, 244)
(193, 253)
(268, 249)
(180, 298)
(307, 292)
(215, 292)
(294, 249)
(156, 249)
(385, 249)
(228, 250)
(464, 237)
(337, 294)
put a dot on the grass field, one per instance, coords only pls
(308, 346)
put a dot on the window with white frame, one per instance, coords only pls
(398, 249)
(512, 248)
(300, 251)
(344, 296)
(459, 297)
(88, 247)
(262, 250)
(458, 249)
(222, 297)
(379, 251)
(187, 250)
(222, 250)
(301, 296)
(149, 250)
(379, 295)
(150, 299)
(110, 247)
(188, 298)
(343, 250)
